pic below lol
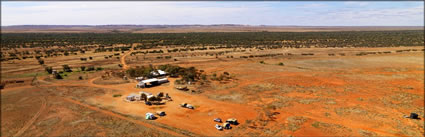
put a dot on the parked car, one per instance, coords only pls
(218, 120)
(218, 127)
(160, 113)
(233, 121)
(189, 106)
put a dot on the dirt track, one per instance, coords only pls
(122, 59)
(32, 120)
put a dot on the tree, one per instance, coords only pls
(58, 76)
(99, 68)
(226, 73)
(90, 68)
(66, 68)
(83, 68)
(49, 70)
(281, 64)
(41, 62)
(203, 77)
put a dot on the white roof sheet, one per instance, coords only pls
(149, 80)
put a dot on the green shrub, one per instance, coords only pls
(116, 95)
(66, 68)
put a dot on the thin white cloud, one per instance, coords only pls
(356, 3)
(122, 13)
(252, 13)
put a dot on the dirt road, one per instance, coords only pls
(122, 59)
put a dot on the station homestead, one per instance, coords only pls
(336, 83)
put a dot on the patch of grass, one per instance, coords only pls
(295, 122)
(342, 111)
(281, 102)
(327, 114)
(367, 133)
(116, 95)
(233, 97)
(49, 122)
(404, 100)
(308, 100)
(25, 75)
(315, 124)
(333, 129)
(256, 88)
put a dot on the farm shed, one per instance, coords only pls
(163, 80)
(139, 78)
(147, 83)
(158, 73)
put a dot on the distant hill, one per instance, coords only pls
(190, 28)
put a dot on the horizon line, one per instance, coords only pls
(210, 25)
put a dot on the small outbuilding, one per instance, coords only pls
(133, 97)
(130, 98)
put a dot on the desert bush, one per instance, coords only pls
(226, 73)
(40, 61)
(49, 70)
(58, 76)
(116, 95)
(203, 77)
(99, 68)
(66, 68)
(281, 64)
(83, 68)
(90, 68)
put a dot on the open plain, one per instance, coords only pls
(284, 91)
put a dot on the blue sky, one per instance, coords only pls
(298, 13)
